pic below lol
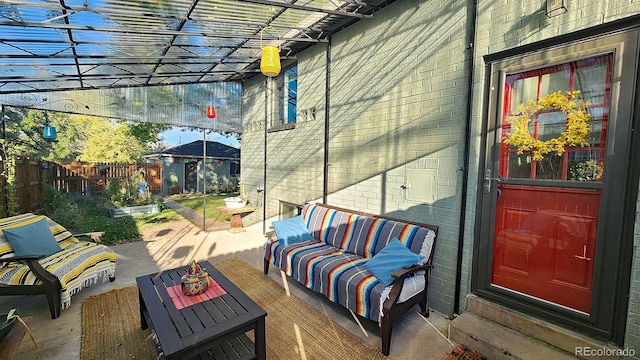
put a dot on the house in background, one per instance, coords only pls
(182, 167)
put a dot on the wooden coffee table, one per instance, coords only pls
(217, 327)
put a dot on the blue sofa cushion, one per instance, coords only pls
(291, 231)
(391, 258)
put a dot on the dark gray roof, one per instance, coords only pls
(194, 149)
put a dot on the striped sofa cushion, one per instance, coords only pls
(333, 227)
(359, 234)
(78, 265)
(340, 276)
(373, 234)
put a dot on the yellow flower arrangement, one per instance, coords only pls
(575, 133)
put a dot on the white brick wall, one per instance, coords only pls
(398, 101)
(390, 111)
(295, 157)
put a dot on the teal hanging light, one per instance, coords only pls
(49, 132)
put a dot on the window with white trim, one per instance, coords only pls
(286, 98)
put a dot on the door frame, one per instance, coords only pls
(187, 175)
(616, 224)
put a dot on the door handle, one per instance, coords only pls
(584, 254)
(488, 180)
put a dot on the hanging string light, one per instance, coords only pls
(270, 60)
(49, 132)
(211, 112)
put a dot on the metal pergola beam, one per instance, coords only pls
(54, 45)
(308, 8)
(133, 31)
(118, 75)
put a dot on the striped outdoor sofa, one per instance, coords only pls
(333, 263)
(77, 265)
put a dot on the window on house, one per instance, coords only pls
(286, 98)
(235, 168)
(592, 77)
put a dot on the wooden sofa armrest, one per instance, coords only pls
(22, 258)
(34, 266)
(95, 235)
(406, 272)
(398, 282)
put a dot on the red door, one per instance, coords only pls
(547, 208)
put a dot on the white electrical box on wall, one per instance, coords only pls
(421, 185)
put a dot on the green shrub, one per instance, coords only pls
(126, 192)
(116, 193)
(62, 208)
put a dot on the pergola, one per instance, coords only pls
(154, 60)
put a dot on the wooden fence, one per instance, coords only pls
(81, 178)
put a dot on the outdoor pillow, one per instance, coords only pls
(35, 239)
(391, 258)
(292, 230)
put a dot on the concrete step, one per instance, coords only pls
(507, 334)
(497, 342)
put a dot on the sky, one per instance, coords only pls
(176, 136)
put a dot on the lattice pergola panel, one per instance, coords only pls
(66, 46)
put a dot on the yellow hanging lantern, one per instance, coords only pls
(270, 61)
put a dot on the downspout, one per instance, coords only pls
(327, 98)
(264, 170)
(5, 194)
(467, 160)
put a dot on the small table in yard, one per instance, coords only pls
(215, 327)
(236, 218)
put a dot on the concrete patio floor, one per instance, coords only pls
(175, 244)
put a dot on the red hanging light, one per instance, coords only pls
(211, 111)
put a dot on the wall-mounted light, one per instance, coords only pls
(556, 7)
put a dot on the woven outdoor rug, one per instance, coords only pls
(295, 330)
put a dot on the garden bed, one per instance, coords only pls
(134, 210)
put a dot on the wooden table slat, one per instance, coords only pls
(218, 353)
(240, 347)
(223, 306)
(238, 294)
(235, 327)
(232, 304)
(203, 315)
(214, 311)
(191, 317)
(189, 314)
(246, 342)
(161, 318)
(180, 323)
